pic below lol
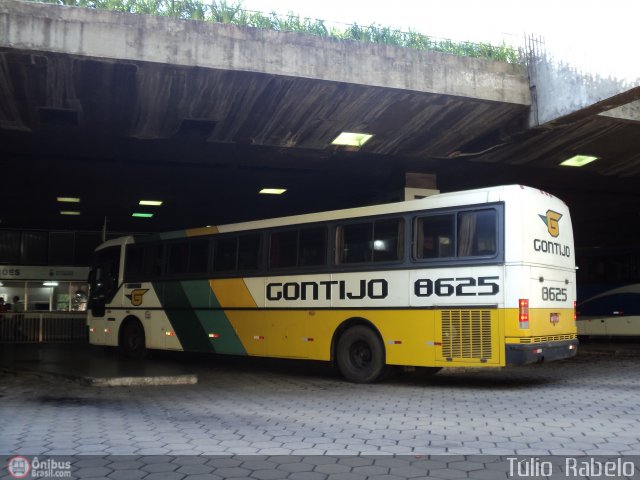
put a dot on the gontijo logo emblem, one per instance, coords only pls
(136, 296)
(551, 220)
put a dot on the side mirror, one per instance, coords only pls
(97, 306)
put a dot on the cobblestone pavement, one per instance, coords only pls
(301, 421)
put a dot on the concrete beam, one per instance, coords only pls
(630, 112)
(145, 38)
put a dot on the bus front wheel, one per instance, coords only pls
(133, 340)
(360, 355)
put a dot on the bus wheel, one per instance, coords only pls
(360, 355)
(133, 342)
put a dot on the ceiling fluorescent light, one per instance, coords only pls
(68, 199)
(142, 215)
(151, 203)
(50, 284)
(579, 161)
(273, 191)
(69, 212)
(351, 139)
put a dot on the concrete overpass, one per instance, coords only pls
(117, 107)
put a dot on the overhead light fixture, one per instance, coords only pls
(68, 199)
(579, 161)
(142, 215)
(151, 203)
(69, 212)
(351, 139)
(273, 191)
(50, 284)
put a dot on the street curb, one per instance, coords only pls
(160, 380)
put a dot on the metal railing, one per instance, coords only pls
(45, 327)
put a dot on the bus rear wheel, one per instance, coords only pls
(360, 355)
(133, 340)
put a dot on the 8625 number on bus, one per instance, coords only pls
(459, 286)
(553, 294)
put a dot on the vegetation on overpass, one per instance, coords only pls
(223, 12)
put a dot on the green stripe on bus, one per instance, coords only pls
(185, 304)
(215, 322)
(184, 321)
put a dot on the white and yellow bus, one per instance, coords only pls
(476, 278)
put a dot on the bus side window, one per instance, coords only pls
(388, 240)
(249, 252)
(178, 258)
(143, 262)
(356, 243)
(152, 265)
(312, 249)
(435, 236)
(134, 263)
(282, 251)
(198, 256)
(477, 233)
(225, 252)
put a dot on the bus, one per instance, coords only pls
(478, 278)
(609, 292)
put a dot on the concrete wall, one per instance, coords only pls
(559, 90)
(104, 34)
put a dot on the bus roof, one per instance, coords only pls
(441, 200)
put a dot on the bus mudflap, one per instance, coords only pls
(520, 354)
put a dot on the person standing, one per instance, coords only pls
(17, 307)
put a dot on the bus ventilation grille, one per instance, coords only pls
(466, 334)
(548, 338)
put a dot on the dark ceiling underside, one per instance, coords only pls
(205, 142)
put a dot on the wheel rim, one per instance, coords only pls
(360, 354)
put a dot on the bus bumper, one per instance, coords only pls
(520, 354)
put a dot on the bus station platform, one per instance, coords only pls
(93, 365)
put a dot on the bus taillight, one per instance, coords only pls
(575, 311)
(523, 312)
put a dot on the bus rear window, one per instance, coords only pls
(470, 233)
(477, 233)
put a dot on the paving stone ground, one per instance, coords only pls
(269, 420)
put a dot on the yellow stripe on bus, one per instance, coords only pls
(232, 293)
